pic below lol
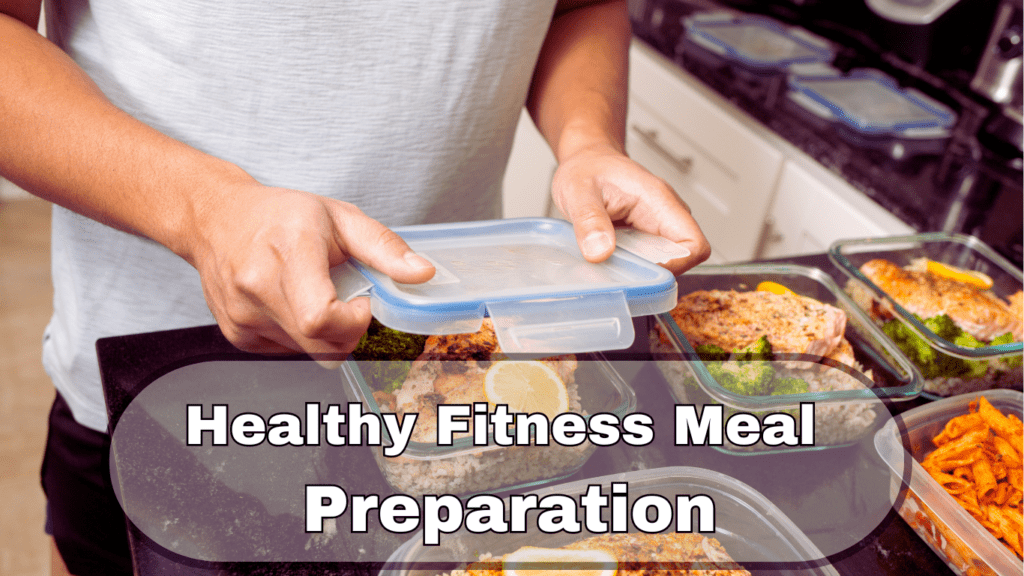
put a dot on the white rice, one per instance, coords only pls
(834, 424)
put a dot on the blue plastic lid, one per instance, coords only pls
(870, 102)
(756, 42)
(528, 276)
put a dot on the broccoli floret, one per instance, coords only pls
(383, 343)
(760, 349)
(965, 340)
(933, 363)
(1010, 362)
(1004, 339)
(917, 350)
(710, 352)
(789, 385)
(943, 326)
(385, 355)
(747, 378)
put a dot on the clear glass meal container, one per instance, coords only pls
(959, 250)
(849, 402)
(753, 531)
(465, 469)
(948, 529)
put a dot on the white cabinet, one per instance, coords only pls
(527, 185)
(754, 194)
(714, 159)
(809, 213)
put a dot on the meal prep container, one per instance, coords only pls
(842, 416)
(959, 250)
(464, 469)
(753, 530)
(868, 109)
(527, 275)
(751, 55)
(948, 529)
(752, 44)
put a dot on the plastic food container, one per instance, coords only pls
(868, 109)
(754, 532)
(463, 469)
(963, 543)
(753, 43)
(527, 275)
(957, 250)
(847, 399)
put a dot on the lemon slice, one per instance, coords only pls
(774, 288)
(971, 277)
(526, 386)
(563, 562)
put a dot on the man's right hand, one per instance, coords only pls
(263, 255)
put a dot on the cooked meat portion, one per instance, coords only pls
(978, 312)
(451, 371)
(649, 554)
(793, 324)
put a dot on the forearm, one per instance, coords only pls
(65, 142)
(579, 90)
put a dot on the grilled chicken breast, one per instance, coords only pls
(978, 312)
(793, 324)
(649, 554)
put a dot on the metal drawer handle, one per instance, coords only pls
(683, 164)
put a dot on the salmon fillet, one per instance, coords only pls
(793, 324)
(639, 554)
(978, 312)
(451, 370)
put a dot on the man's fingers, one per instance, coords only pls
(594, 231)
(379, 247)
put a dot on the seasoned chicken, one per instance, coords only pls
(649, 555)
(451, 370)
(978, 312)
(793, 324)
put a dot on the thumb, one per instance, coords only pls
(379, 247)
(595, 233)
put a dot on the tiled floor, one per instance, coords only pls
(25, 391)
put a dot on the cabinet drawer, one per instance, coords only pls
(808, 215)
(721, 168)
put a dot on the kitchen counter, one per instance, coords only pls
(829, 494)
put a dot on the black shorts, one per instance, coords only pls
(82, 513)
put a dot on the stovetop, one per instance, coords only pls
(952, 189)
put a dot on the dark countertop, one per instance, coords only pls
(951, 186)
(827, 493)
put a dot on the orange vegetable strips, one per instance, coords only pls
(960, 448)
(978, 461)
(1006, 451)
(957, 426)
(1003, 427)
(984, 479)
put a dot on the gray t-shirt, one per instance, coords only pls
(405, 108)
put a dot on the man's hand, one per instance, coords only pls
(263, 255)
(600, 186)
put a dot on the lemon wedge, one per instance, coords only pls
(526, 386)
(971, 277)
(774, 288)
(563, 562)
